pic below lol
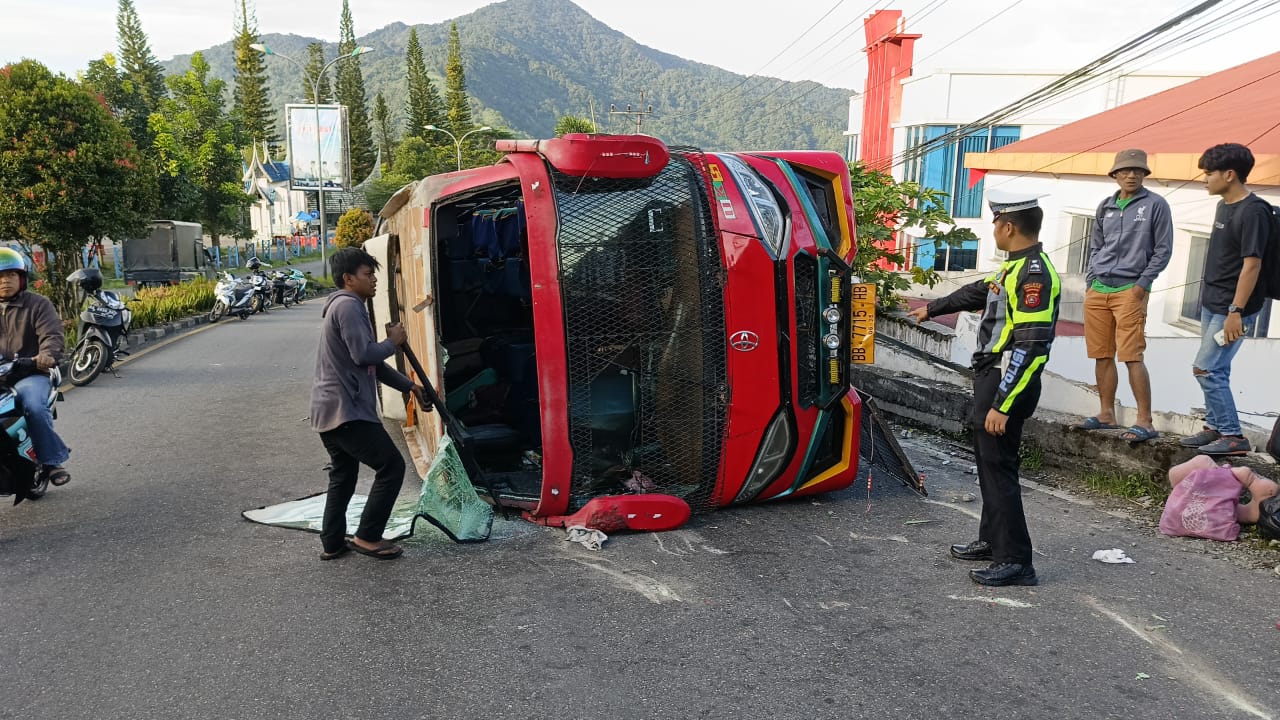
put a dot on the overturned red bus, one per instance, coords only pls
(609, 315)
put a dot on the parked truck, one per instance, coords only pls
(171, 252)
(608, 315)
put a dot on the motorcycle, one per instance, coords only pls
(300, 280)
(103, 330)
(232, 296)
(262, 285)
(283, 288)
(20, 474)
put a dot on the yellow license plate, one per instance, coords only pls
(864, 323)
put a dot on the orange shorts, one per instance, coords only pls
(1115, 325)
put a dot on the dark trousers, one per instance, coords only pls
(349, 445)
(1003, 523)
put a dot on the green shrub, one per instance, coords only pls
(157, 306)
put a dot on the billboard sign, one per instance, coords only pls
(305, 169)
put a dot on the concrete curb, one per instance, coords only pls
(946, 406)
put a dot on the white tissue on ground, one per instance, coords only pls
(1114, 556)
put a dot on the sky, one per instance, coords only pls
(817, 40)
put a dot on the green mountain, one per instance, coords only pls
(529, 62)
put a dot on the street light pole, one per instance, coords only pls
(457, 141)
(315, 105)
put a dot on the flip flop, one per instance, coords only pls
(1138, 434)
(381, 551)
(1093, 423)
(326, 555)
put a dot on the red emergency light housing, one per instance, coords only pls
(604, 156)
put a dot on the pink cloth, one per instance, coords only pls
(1204, 505)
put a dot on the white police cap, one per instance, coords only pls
(1007, 201)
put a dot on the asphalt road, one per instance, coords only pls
(137, 591)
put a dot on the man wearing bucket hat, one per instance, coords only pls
(1019, 305)
(1130, 246)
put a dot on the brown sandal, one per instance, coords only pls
(382, 551)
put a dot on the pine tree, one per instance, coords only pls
(424, 106)
(315, 66)
(383, 130)
(137, 63)
(350, 92)
(251, 83)
(458, 107)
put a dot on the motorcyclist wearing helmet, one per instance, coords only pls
(30, 327)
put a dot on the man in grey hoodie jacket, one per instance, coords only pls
(344, 409)
(1130, 246)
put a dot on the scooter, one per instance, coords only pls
(20, 474)
(284, 288)
(300, 281)
(103, 331)
(232, 296)
(262, 285)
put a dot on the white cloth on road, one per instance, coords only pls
(586, 537)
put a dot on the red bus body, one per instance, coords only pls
(638, 319)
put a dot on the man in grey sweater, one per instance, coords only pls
(344, 409)
(1130, 246)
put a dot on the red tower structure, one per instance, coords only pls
(889, 57)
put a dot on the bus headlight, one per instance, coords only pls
(831, 315)
(772, 458)
(832, 341)
(764, 206)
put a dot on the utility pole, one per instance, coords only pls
(639, 114)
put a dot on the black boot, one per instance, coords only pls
(976, 550)
(1000, 574)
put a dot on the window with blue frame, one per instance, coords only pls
(942, 168)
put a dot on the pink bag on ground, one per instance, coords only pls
(1203, 505)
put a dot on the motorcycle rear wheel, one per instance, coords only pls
(39, 486)
(87, 362)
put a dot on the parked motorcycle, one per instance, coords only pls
(232, 296)
(20, 474)
(283, 288)
(103, 330)
(303, 282)
(263, 288)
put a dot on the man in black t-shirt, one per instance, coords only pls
(1230, 293)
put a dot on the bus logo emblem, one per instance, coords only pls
(744, 341)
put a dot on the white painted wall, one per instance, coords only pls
(269, 220)
(1172, 342)
(1065, 195)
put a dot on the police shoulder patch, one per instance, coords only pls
(1035, 266)
(1031, 294)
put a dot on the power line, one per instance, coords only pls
(1056, 88)
(779, 54)
(861, 54)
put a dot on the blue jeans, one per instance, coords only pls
(34, 391)
(1214, 361)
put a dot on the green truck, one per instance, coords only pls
(170, 253)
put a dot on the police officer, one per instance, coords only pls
(1019, 305)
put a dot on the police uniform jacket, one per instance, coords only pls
(1019, 305)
